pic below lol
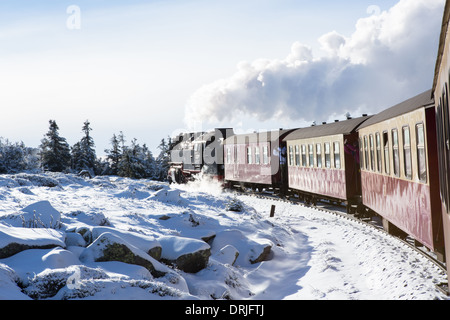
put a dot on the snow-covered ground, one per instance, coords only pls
(313, 255)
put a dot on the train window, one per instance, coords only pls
(319, 155)
(361, 153)
(372, 153)
(235, 154)
(378, 146)
(395, 153)
(366, 153)
(446, 146)
(327, 155)
(228, 155)
(337, 155)
(407, 152)
(265, 155)
(440, 146)
(303, 155)
(249, 155)
(257, 157)
(421, 157)
(290, 156)
(297, 155)
(311, 155)
(386, 152)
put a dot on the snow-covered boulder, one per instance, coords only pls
(14, 240)
(93, 218)
(146, 243)
(190, 225)
(41, 214)
(8, 182)
(39, 180)
(133, 193)
(167, 195)
(49, 282)
(111, 247)
(8, 287)
(226, 255)
(26, 191)
(189, 255)
(75, 239)
(249, 251)
(30, 262)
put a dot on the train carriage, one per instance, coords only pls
(323, 162)
(440, 92)
(256, 160)
(399, 170)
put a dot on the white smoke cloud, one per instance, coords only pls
(389, 57)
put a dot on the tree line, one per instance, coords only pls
(54, 154)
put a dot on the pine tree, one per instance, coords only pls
(134, 161)
(114, 154)
(124, 168)
(55, 151)
(163, 159)
(149, 162)
(75, 156)
(16, 157)
(83, 152)
(12, 157)
(130, 164)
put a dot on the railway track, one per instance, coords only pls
(339, 211)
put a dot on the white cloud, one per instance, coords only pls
(389, 57)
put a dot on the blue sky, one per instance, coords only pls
(133, 65)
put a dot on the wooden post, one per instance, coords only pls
(272, 211)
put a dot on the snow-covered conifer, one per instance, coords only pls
(83, 152)
(55, 151)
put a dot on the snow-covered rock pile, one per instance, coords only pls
(67, 237)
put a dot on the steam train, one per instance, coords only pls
(394, 164)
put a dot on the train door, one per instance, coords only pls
(283, 169)
(443, 148)
(352, 165)
(443, 126)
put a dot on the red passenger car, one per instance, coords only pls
(399, 170)
(441, 100)
(323, 162)
(256, 160)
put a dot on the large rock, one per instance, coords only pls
(111, 247)
(166, 195)
(226, 255)
(14, 240)
(187, 254)
(144, 242)
(40, 214)
(250, 252)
